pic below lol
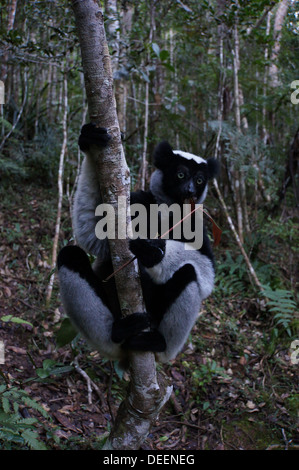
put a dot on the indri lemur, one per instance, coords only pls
(174, 280)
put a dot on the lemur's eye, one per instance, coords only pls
(199, 180)
(181, 175)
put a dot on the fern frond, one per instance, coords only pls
(31, 439)
(281, 303)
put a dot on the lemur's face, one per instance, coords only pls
(185, 180)
(185, 176)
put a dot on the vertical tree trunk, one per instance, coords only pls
(145, 135)
(237, 172)
(25, 92)
(10, 24)
(265, 82)
(60, 187)
(221, 114)
(146, 112)
(278, 24)
(120, 30)
(174, 85)
(220, 91)
(146, 396)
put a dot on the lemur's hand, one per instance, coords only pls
(92, 135)
(148, 252)
(131, 325)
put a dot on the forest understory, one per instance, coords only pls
(234, 385)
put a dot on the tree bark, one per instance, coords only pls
(146, 111)
(265, 83)
(146, 396)
(119, 30)
(291, 168)
(7, 136)
(10, 24)
(60, 187)
(237, 173)
(278, 24)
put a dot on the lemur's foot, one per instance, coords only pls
(146, 341)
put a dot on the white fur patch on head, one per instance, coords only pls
(190, 156)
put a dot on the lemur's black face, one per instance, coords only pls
(184, 179)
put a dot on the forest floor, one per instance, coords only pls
(230, 392)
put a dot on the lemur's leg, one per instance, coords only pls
(171, 294)
(84, 301)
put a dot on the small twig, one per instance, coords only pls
(90, 383)
(17, 278)
(286, 441)
(109, 393)
(237, 238)
(182, 423)
(28, 305)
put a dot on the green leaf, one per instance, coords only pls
(31, 438)
(119, 371)
(49, 364)
(206, 405)
(156, 49)
(50, 368)
(5, 405)
(43, 374)
(8, 318)
(169, 66)
(66, 333)
(164, 55)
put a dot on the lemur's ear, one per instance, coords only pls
(213, 168)
(162, 155)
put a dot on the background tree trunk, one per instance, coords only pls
(278, 24)
(60, 186)
(10, 24)
(145, 397)
(237, 173)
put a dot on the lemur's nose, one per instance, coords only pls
(191, 189)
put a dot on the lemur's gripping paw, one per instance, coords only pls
(92, 135)
(146, 341)
(148, 252)
(129, 326)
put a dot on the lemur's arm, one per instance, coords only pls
(175, 282)
(88, 195)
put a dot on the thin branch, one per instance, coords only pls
(6, 137)
(60, 190)
(261, 19)
(90, 383)
(237, 238)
